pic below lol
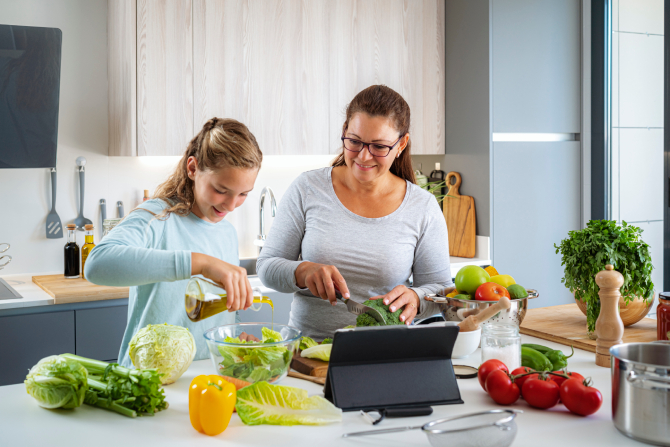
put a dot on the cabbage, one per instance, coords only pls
(262, 403)
(321, 352)
(168, 349)
(57, 382)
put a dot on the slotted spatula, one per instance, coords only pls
(54, 227)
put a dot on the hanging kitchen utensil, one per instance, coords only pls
(7, 257)
(103, 213)
(459, 212)
(80, 220)
(494, 428)
(119, 207)
(54, 227)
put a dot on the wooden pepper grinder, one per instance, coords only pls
(609, 327)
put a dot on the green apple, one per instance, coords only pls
(470, 277)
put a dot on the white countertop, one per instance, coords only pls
(23, 423)
(33, 295)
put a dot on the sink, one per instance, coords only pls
(249, 264)
(7, 292)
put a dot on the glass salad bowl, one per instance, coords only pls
(268, 359)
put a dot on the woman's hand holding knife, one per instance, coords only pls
(322, 280)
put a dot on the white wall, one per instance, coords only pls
(25, 194)
(637, 121)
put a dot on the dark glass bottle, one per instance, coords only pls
(71, 253)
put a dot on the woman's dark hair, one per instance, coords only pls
(380, 100)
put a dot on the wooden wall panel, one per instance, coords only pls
(165, 76)
(122, 76)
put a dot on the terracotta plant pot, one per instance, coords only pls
(631, 313)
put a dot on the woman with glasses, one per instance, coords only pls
(361, 226)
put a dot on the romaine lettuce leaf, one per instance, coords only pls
(262, 403)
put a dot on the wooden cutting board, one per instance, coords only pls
(66, 290)
(311, 367)
(566, 325)
(459, 212)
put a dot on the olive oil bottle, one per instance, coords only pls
(205, 298)
(87, 247)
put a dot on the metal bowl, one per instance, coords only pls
(453, 309)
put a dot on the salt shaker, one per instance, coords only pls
(502, 342)
(609, 327)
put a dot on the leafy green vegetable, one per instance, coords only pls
(255, 363)
(390, 317)
(127, 391)
(321, 352)
(262, 403)
(307, 342)
(586, 252)
(168, 349)
(57, 382)
(327, 341)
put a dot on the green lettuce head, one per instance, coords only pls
(57, 382)
(168, 349)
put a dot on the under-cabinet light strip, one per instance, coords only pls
(535, 137)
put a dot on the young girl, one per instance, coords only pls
(182, 232)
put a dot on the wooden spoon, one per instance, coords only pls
(473, 321)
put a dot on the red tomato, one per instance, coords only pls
(579, 398)
(540, 393)
(522, 370)
(486, 368)
(502, 388)
(490, 291)
(560, 380)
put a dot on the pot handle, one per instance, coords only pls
(654, 383)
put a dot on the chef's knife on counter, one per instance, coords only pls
(357, 308)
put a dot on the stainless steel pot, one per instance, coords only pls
(641, 391)
(453, 309)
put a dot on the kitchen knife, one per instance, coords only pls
(357, 308)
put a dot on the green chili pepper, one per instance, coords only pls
(558, 359)
(535, 359)
(539, 348)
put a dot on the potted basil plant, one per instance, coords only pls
(586, 252)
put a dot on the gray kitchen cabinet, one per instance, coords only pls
(536, 66)
(28, 338)
(536, 201)
(99, 332)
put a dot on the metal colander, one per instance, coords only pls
(494, 428)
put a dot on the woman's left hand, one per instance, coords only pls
(402, 296)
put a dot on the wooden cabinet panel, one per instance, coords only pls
(264, 63)
(99, 332)
(29, 338)
(122, 76)
(396, 43)
(287, 69)
(164, 76)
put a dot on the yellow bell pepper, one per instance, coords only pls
(211, 401)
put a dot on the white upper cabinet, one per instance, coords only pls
(287, 69)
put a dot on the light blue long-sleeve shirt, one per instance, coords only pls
(153, 257)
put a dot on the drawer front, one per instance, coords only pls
(29, 338)
(100, 331)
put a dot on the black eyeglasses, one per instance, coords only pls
(375, 149)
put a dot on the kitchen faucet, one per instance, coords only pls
(273, 207)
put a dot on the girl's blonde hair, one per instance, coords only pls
(222, 143)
